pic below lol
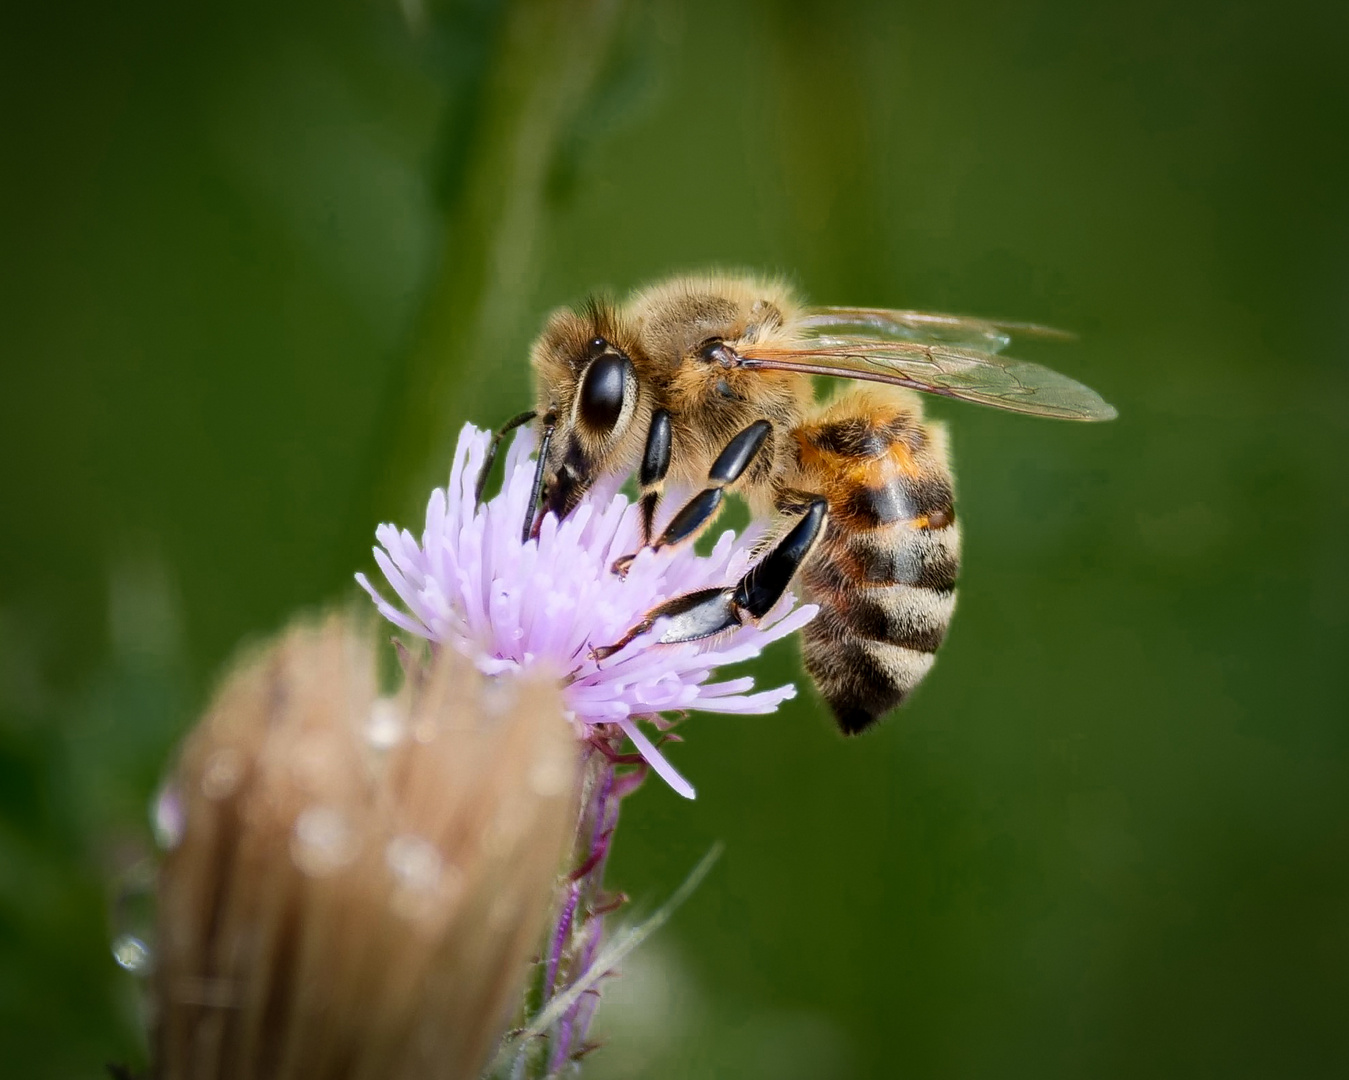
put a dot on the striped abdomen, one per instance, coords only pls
(884, 573)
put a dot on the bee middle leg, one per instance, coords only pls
(708, 612)
(695, 514)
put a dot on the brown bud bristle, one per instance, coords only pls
(359, 882)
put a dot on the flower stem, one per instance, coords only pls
(576, 936)
(514, 1057)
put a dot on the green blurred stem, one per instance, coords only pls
(472, 328)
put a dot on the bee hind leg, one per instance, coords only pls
(709, 612)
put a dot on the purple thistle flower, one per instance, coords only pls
(545, 606)
(549, 603)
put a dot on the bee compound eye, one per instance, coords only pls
(603, 388)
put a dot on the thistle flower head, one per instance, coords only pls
(548, 604)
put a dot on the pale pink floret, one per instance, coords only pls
(471, 584)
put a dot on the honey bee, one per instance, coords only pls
(707, 382)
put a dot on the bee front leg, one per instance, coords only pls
(708, 612)
(540, 466)
(655, 464)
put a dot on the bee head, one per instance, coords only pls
(584, 363)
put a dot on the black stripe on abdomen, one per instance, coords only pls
(925, 557)
(900, 497)
(877, 631)
(906, 615)
(861, 679)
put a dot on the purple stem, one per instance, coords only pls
(579, 932)
(559, 938)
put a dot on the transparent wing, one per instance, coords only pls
(923, 327)
(955, 371)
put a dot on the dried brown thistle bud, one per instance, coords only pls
(356, 883)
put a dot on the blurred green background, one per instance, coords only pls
(260, 261)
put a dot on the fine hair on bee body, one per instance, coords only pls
(657, 330)
(707, 382)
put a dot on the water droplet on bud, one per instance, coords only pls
(499, 696)
(414, 861)
(385, 727)
(131, 953)
(224, 769)
(168, 818)
(550, 775)
(322, 842)
(425, 885)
